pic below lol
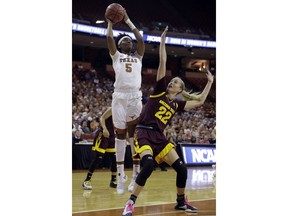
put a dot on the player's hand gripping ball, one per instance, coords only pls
(115, 13)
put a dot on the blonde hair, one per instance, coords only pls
(187, 96)
(182, 84)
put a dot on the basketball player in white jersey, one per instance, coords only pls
(126, 98)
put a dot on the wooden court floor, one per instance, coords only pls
(157, 198)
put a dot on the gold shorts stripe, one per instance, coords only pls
(164, 152)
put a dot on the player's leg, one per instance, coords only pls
(94, 163)
(135, 158)
(147, 169)
(173, 160)
(98, 156)
(133, 113)
(120, 147)
(119, 120)
(113, 169)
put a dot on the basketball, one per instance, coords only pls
(114, 12)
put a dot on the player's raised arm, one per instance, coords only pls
(202, 97)
(139, 38)
(110, 40)
(162, 56)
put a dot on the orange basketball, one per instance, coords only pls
(114, 12)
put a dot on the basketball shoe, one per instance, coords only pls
(113, 184)
(87, 185)
(185, 206)
(129, 208)
(121, 184)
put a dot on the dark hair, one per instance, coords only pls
(119, 37)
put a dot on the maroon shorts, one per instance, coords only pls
(152, 140)
(102, 144)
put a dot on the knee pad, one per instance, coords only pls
(147, 169)
(181, 170)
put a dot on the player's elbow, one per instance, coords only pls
(201, 100)
(193, 104)
(199, 103)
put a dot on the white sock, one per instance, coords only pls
(120, 146)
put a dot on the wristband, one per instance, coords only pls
(130, 24)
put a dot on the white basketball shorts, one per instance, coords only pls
(126, 107)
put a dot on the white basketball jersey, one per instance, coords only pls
(127, 71)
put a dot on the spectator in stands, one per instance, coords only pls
(212, 140)
(126, 101)
(94, 126)
(84, 127)
(76, 126)
(76, 137)
(103, 143)
(195, 133)
(193, 139)
(203, 137)
(179, 138)
(151, 141)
